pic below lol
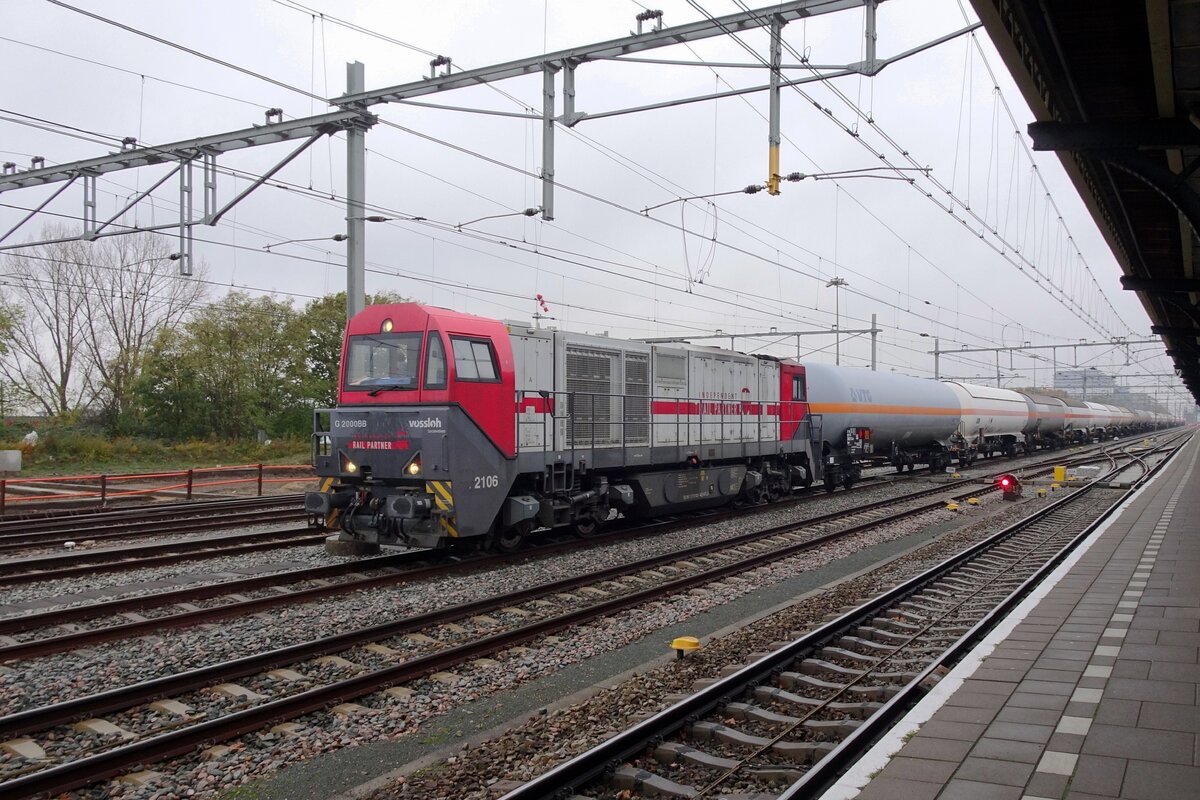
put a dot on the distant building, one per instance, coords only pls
(1087, 383)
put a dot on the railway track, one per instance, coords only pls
(529, 614)
(440, 640)
(314, 583)
(90, 562)
(142, 520)
(785, 725)
(231, 513)
(353, 576)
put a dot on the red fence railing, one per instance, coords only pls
(106, 487)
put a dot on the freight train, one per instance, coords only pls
(455, 429)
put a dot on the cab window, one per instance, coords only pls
(383, 361)
(474, 360)
(799, 391)
(435, 363)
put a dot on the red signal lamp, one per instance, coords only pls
(1010, 486)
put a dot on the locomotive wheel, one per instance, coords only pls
(587, 525)
(509, 540)
(775, 492)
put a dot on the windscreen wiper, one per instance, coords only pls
(391, 387)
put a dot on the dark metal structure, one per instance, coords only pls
(1115, 87)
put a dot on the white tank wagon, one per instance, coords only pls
(1079, 421)
(1047, 420)
(1102, 417)
(1124, 419)
(864, 414)
(993, 421)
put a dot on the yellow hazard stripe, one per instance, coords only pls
(443, 499)
(331, 520)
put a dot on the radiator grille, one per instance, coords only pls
(637, 399)
(589, 387)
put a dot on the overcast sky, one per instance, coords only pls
(736, 263)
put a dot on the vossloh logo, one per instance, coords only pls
(429, 423)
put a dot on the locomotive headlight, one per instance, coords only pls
(386, 327)
(414, 466)
(351, 466)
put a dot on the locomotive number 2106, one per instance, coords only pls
(487, 481)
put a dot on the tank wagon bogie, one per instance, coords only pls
(453, 428)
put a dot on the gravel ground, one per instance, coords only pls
(530, 748)
(63, 676)
(391, 717)
(22, 598)
(56, 678)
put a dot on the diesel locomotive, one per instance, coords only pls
(452, 428)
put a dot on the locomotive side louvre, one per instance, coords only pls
(605, 400)
(673, 426)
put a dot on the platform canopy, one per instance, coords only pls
(1115, 88)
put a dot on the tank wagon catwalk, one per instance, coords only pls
(452, 428)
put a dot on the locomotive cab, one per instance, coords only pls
(420, 418)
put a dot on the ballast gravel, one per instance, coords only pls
(387, 717)
(64, 676)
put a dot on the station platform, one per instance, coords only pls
(1089, 691)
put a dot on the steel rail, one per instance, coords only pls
(46, 716)
(179, 551)
(70, 641)
(23, 622)
(135, 530)
(82, 612)
(854, 746)
(90, 769)
(132, 515)
(49, 645)
(67, 517)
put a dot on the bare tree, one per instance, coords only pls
(83, 315)
(46, 337)
(136, 292)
